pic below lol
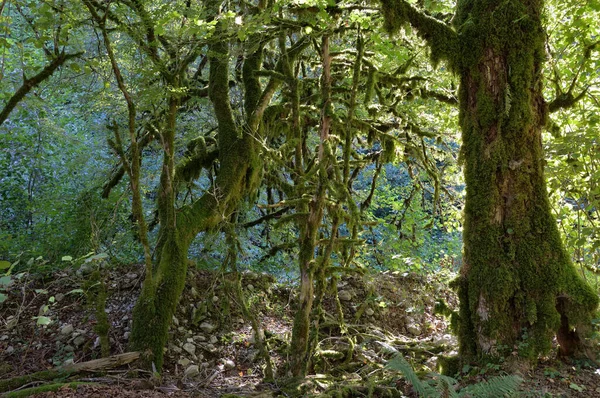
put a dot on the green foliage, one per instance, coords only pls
(444, 386)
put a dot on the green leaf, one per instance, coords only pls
(3, 297)
(4, 265)
(67, 258)
(75, 67)
(97, 257)
(5, 281)
(43, 320)
(80, 291)
(576, 387)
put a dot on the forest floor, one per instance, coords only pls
(49, 321)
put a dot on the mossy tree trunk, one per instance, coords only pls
(518, 287)
(239, 174)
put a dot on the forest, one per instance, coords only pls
(299, 198)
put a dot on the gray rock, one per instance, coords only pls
(4, 337)
(191, 371)
(414, 329)
(9, 350)
(369, 312)
(190, 348)
(69, 348)
(200, 338)
(213, 340)
(67, 329)
(59, 297)
(215, 299)
(194, 292)
(345, 295)
(79, 340)
(126, 335)
(175, 349)
(190, 340)
(229, 364)
(68, 362)
(184, 362)
(250, 287)
(175, 321)
(207, 327)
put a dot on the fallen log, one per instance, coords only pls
(69, 370)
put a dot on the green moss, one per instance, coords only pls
(157, 302)
(441, 38)
(44, 388)
(96, 298)
(449, 365)
(515, 265)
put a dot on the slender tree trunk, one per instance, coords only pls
(300, 349)
(517, 286)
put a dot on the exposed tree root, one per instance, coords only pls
(66, 371)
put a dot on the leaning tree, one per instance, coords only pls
(517, 286)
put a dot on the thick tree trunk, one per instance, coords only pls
(517, 286)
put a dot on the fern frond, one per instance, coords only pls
(399, 364)
(498, 386)
(446, 386)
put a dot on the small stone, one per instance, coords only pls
(131, 276)
(414, 329)
(200, 338)
(59, 297)
(213, 340)
(229, 364)
(240, 321)
(215, 299)
(184, 362)
(369, 312)
(345, 295)
(68, 362)
(190, 348)
(125, 318)
(126, 335)
(67, 329)
(207, 327)
(79, 340)
(250, 287)
(191, 371)
(9, 350)
(69, 348)
(175, 349)
(194, 292)
(4, 337)
(175, 321)
(190, 340)
(181, 329)
(211, 348)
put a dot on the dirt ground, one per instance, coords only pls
(211, 351)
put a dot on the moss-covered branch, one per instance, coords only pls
(441, 38)
(565, 101)
(29, 84)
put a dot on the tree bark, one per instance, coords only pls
(517, 287)
(517, 281)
